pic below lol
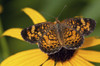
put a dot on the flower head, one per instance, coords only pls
(35, 57)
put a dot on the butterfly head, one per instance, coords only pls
(56, 21)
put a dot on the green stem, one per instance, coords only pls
(3, 43)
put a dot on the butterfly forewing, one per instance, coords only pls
(72, 39)
(49, 42)
(82, 25)
(33, 33)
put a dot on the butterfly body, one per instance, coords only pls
(52, 36)
(59, 31)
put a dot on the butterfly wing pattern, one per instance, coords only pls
(33, 33)
(49, 42)
(75, 29)
(82, 25)
(72, 39)
(44, 34)
(51, 37)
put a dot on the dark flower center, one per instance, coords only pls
(62, 55)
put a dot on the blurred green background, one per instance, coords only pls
(13, 17)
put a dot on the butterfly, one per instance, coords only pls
(52, 36)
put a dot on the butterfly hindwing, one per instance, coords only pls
(49, 42)
(72, 39)
(82, 25)
(33, 33)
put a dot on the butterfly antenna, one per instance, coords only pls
(62, 10)
(48, 15)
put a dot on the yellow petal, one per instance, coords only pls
(78, 61)
(34, 15)
(67, 63)
(34, 57)
(89, 55)
(59, 64)
(49, 63)
(91, 41)
(13, 32)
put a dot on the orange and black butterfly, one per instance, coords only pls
(52, 36)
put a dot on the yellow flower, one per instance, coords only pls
(35, 57)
